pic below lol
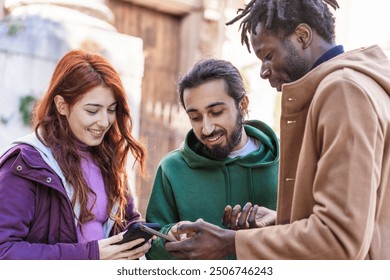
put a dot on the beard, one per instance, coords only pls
(220, 152)
(296, 67)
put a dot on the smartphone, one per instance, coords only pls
(135, 232)
(148, 229)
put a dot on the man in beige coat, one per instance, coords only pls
(334, 188)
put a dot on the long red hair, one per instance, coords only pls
(77, 73)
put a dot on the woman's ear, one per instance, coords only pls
(61, 105)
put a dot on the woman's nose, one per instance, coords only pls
(103, 120)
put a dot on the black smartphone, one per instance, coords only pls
(135, 232)
(148, 229)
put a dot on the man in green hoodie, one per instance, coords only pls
(223, 161)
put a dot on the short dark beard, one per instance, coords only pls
(220, 152)
(296, 67)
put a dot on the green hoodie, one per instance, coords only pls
(189, 185)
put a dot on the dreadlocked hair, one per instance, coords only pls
(281, 17)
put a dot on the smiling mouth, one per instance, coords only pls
(213, 139)
(96, 132)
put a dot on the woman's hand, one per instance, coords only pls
(109, 251)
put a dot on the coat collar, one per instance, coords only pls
(297, 96)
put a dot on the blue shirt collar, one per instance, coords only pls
(328, 55)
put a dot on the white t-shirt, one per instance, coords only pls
(253, 144)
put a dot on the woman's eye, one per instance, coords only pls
(91, 112)
(111, 111)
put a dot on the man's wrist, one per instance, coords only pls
(229, 239)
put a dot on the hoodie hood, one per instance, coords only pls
(195, 156)
(44, 151)
(370, 61)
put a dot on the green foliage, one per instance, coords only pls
(25, 108)
(14, 28)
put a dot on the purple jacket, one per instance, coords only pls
(36, 217)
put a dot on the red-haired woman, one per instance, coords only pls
(63, 189)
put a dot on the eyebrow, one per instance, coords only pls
(207, 107)
(99, 105)
(261, 50)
